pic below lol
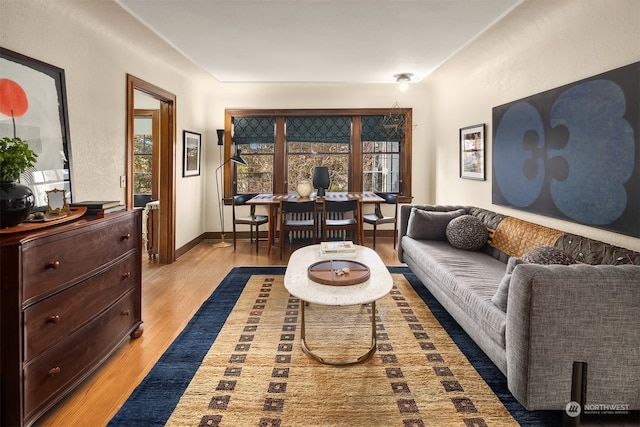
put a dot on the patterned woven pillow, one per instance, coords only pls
(547, 255)
(467, 232)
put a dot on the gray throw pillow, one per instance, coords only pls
(430, 225)
(467, 232)
(500, 297)
(547, 255)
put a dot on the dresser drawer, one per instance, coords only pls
(73, 256)
(50, 376)
(54, 318)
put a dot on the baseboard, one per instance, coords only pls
(192, 244)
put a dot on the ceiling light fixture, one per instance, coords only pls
(403, 80)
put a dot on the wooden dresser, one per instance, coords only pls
(70, 295)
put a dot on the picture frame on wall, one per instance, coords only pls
(472, 152)
(191, 153)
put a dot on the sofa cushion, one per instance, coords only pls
(468, 278)
(428, 225)
(547, 255)
(499, 299)
(467, 232)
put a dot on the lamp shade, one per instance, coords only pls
(321, 179)
(238, 158)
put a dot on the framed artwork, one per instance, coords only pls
(472, 158)
(573, 152)
(33, 107)
(192, 146)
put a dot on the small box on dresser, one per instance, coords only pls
(70, 295)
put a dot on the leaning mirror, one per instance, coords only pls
(34, 108)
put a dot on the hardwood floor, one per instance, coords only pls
(171, 294)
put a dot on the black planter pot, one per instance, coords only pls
(16, 201)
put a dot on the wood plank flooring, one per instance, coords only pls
(171, 294)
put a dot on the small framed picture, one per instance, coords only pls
(192, 147)
(472, 155)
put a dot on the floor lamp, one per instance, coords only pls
(237, 158)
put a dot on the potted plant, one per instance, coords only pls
(16, 200)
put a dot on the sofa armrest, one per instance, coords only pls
(560, 314)
(405, 212)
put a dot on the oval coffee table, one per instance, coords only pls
(297, 282)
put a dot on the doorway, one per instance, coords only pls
(146, 138)
(165, 163)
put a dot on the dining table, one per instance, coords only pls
(273, 200)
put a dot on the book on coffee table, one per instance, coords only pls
(344, 248)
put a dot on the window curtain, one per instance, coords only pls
(254, 130)
(319, 129)
(383, 128)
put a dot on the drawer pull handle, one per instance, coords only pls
(126, 236)
(126, 275)
(54, 371)
(125, 312)
(54, 264)
(54, 319)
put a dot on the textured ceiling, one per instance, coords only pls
(318, 41)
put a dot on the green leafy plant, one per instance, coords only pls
(15, 158)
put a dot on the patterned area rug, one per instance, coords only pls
(255, 373)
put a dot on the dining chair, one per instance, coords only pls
(345, 222)
(377, 218)
(251, 220)
(297, 216)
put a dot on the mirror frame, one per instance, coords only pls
(60, 208)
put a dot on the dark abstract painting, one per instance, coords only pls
(573, 152)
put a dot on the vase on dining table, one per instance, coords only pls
(321, 179)
(304, 188)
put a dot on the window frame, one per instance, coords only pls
(280, 151)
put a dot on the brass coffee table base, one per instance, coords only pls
(360, 359)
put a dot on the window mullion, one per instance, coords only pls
(280, 157)
(356, 163)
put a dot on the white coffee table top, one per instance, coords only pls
(299, 285)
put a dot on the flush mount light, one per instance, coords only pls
(403, 80)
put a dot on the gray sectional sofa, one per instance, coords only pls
(554, 315)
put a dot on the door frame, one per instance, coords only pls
(167, 169)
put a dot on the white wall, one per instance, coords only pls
(541, 45)
(97, 44)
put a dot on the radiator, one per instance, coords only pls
(306, 235)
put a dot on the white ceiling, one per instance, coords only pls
(318, 41)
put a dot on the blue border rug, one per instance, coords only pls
(153, 401)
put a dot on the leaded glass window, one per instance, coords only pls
(255, 136)
(380, 154)
(318, 141)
